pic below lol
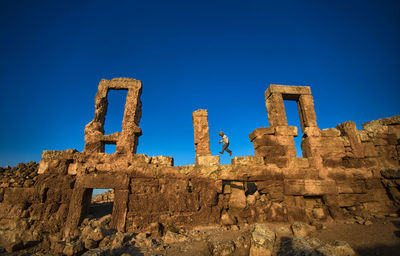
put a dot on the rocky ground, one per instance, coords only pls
(371, 237)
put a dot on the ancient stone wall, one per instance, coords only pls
(32, 206)
(344, 172)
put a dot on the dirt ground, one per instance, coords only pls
(380, 238)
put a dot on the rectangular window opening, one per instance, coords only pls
(101, 204)
(110, 148)
(115, 111)
(293, 119)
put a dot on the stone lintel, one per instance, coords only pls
(111, 138)
(103, 181)
(287, 90)
(121, 83)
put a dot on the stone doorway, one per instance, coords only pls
(292, 114)
(101, 204)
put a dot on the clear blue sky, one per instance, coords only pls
(217, 55)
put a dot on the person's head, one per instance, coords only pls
(221, 133)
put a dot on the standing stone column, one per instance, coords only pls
(275, 109)
(129, 138)
(201, 133)
(202, 139)
(308, 117)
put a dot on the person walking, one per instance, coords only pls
(224, 140)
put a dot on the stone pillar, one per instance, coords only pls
(129, 138)
(78, 206)
(120, 209)
(305, 105)
(202, 139)
(275, 109)
(201, 133)
(349, 129)
(95, 129)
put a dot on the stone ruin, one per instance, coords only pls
(343, 172)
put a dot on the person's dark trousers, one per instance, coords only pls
(225, 147)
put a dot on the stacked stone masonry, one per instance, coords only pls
(343, 172)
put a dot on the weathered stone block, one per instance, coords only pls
(97, 180)
(260, 132)
(271, 151)
(162, 160)
(351, 186)
(347, 200)
(237, 199)
(18, 195)
(374, 183)
(264, 140)
(281, 162)
(312, 131)
(300, 173)
(248, 160)
(309, 187)
(270, 186)
(140, 159)
(286, 131)
(379, 141)
(394, 129)
(332, 162)
(349, 129)
(319, 187)
(11, 210)
(207, 160)
(369, 149)
(293, 187)
(391, 173)
(331, 132)
(364, 136)
(331, 147)
(301, 162)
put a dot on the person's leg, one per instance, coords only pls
(227, 150)
(224, 148)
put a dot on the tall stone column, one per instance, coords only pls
(201, 132)
(202, 139)
(129, 138)
(275, 109)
